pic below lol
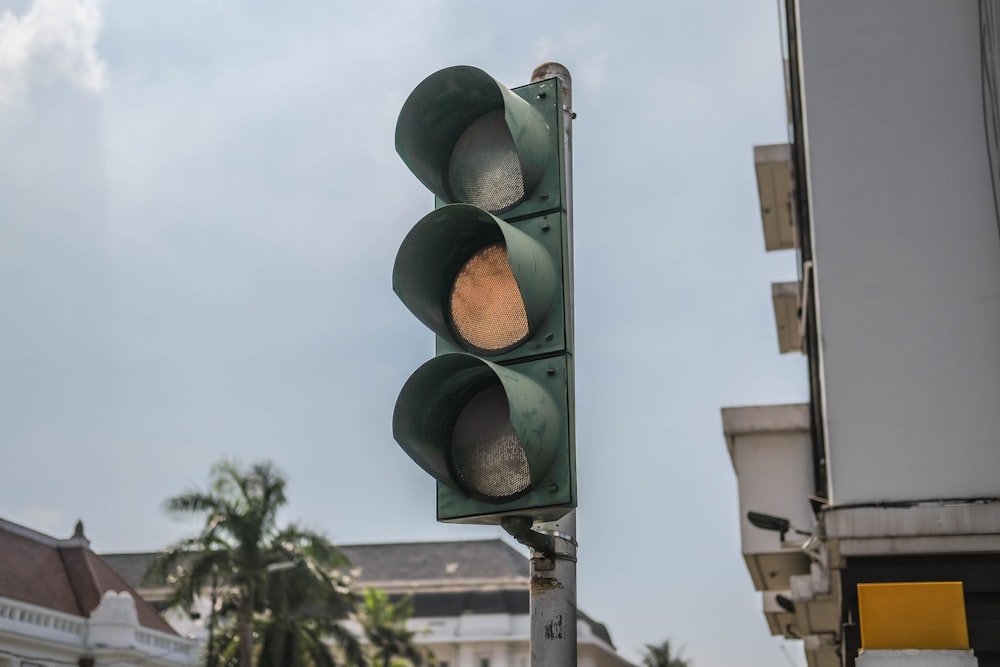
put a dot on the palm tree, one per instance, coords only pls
(304, 606)
(383, 623)
(659, 655)
(282, 583)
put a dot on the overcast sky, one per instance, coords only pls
(200, 205)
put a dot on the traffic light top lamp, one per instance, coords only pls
(470, 139)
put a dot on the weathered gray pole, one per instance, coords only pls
(553, 596)
(553, 568)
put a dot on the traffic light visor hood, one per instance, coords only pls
(481, 429)
(475, 280)
(470, 139)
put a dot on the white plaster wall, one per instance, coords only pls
(465, 640)
(774, 476)
(907, 256)
(484, 624)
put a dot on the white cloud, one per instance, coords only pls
(53, 36)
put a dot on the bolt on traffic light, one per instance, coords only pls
(489, 272)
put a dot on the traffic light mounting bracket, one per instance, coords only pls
(550, 545)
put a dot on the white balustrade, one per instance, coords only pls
(33, 621)
(70, 632)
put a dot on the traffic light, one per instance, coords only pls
(489, 271)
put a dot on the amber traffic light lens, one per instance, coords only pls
(486, 452)
(484, 169)
(486, 308)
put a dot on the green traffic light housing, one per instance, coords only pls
(470, 139)
(489, 271)
(492, 436)
(483, 285)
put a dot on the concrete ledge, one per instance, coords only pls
(917, 520)
(915, 658)
(941, 527)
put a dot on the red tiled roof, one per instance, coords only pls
(64, 575)
(32, 571)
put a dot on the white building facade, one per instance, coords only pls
(888, 193)
(60, 604)
(470, 600)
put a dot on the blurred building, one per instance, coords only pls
(886, 198)
(62, 604)
(470, 600)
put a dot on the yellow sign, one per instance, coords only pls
(920, 615)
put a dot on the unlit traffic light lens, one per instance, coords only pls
(485, 305)
(484, 169)
(487, 455)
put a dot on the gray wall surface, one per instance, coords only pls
(906, 248)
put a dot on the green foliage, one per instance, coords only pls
(661, 655)
(383, 622)
(282, 585)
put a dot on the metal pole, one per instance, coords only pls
(553, 597)
(553, 571)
